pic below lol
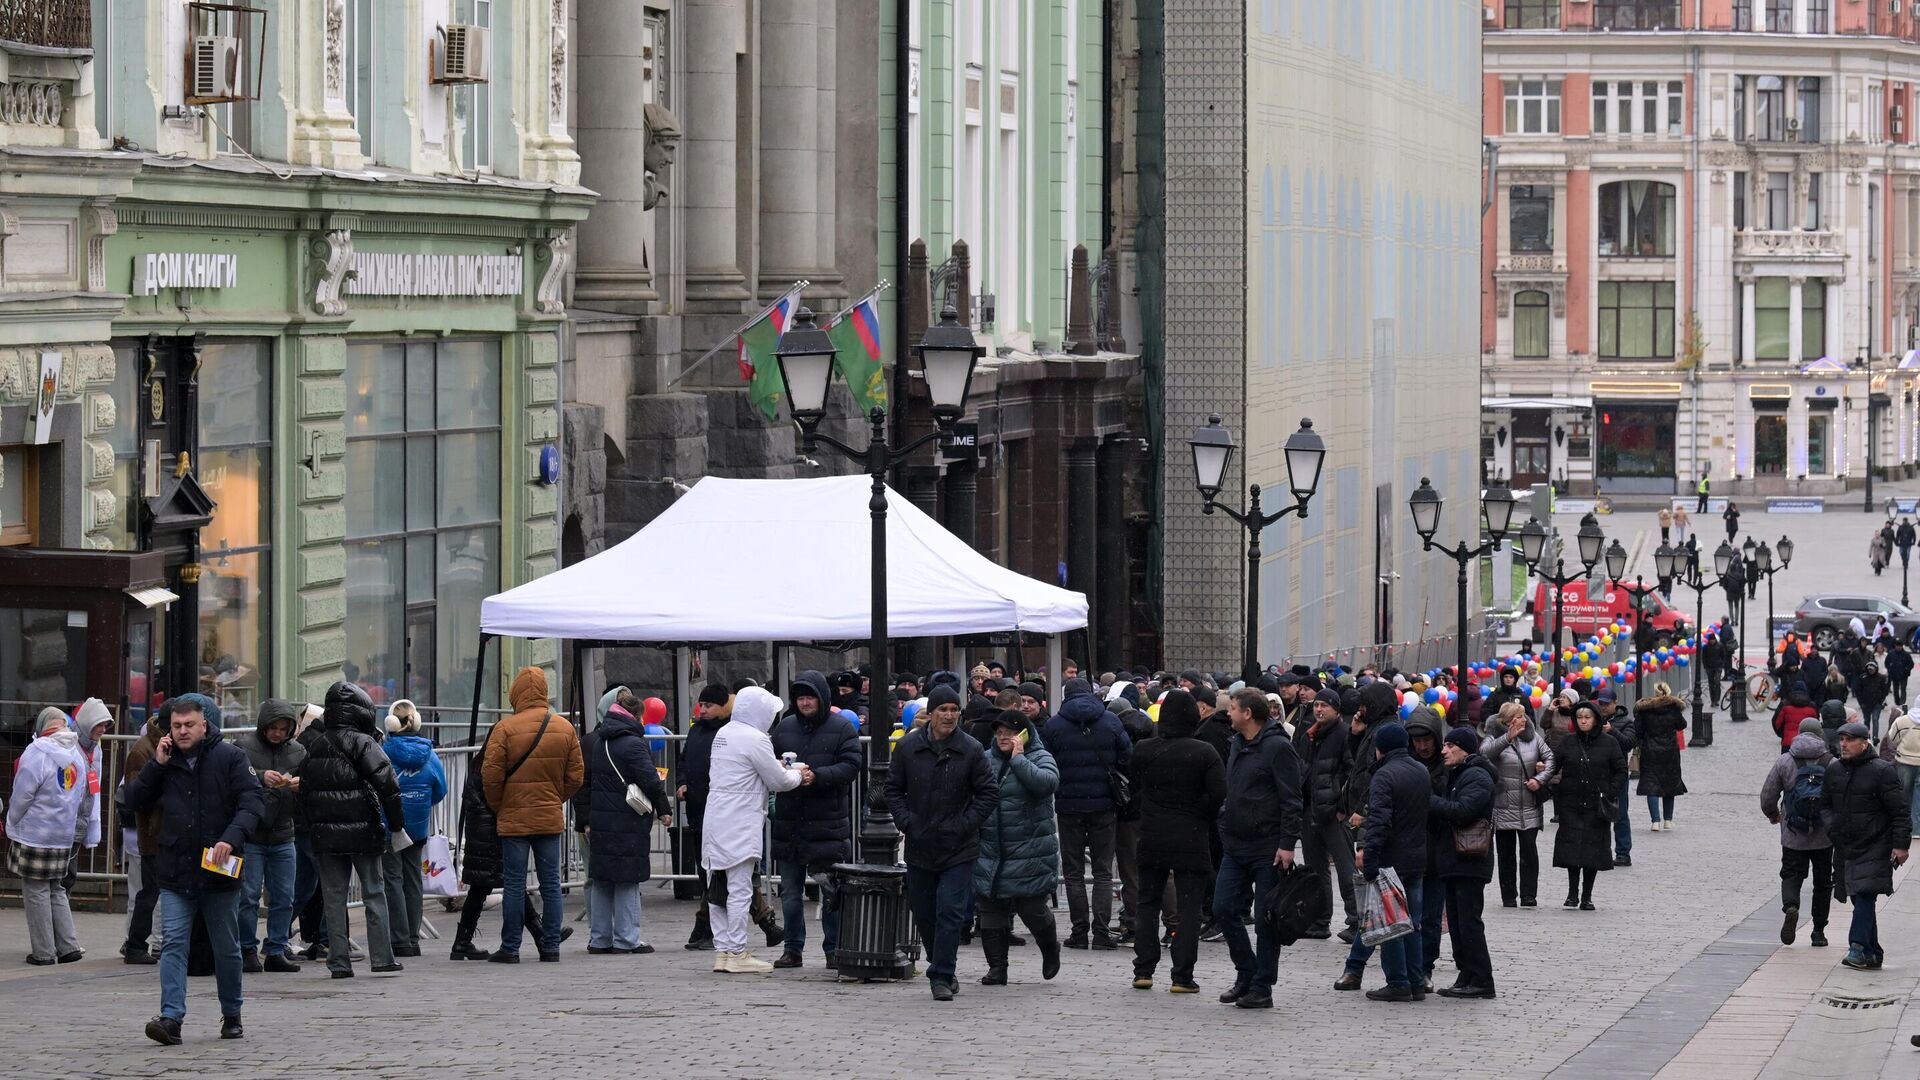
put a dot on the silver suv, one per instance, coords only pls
(1824, 617)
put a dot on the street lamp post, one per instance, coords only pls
(1866, 360)
(1763, 559)
(1692, 578)
(1533, 549)
(1496, 507)
(1637, 597)
(1212, 452)
(948, 354)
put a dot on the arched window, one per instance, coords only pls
(1532, 323)
(1636, 218)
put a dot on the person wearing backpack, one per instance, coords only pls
(1793, 798)
(1871, 836)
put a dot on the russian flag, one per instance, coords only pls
(778, 314)
(866, 325)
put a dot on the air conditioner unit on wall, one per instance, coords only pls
(466, 55)
(215, 71)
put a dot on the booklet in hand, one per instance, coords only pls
(230, 868)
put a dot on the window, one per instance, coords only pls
(19, 496)
(1636, 439)
(1739, 108)
(1533, 15)
(235, 465)
(1530, 217)
(1807, 110)
(423, 513)
(1772, 301)
(1636, 320)
(1636, 14)
(1739, 200)
(359, 34)
(1743, 14)
(1817, 16)
(1813, 319)
(1876, 112)
(1636, 218)
(1533, 105)
(1819, 437)
(1780, 16)
(1676, 107)
(1770, 108)
(1770, 444)
(1531, 325)
(1646, 107)
(473, 102)
(1813, 202)
(1779, 206)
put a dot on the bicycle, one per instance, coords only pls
(1763, 692)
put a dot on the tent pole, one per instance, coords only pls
(1054, 691)
(578, 706)
(682, 683)
(479, 680)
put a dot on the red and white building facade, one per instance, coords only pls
(1702, 245)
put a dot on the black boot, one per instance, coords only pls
(1047, 936)
(463, 945)
(993, 944)
(769, 925)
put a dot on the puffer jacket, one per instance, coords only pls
(1020, 840)
(348, 796)
(1868, 821)
(1661, 720)
(1324, 756)
(1396, 826)
(479, 830)
(1087, 743)
(1262, 811)
(1181, 783)
(1468, 799)
(533, 801)
(616, 755)
(1514, 760)
(813, 823)
(218, 799)
(1425, 721)
(282, 803)
(1806, 750)
(1786, 719)
(422, 780)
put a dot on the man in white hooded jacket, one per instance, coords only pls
(744, 770)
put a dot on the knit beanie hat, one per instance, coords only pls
(714, 694)
(1833, 710)
(1035, 691)
(1810, 726)
(942, 695)
(1390, 736)
(1461, 737)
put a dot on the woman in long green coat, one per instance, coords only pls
(1019, 863)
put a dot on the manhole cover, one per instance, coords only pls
(1853, 1002)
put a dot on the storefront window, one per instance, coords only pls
(423, 514)
(235, 466)
(1636, 440)
(1819, 430)
(1770, 444)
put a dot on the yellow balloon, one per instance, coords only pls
(1153, 712)
(1441, 708)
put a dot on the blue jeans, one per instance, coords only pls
(177, 910)
(1239, 882)
(793, 905)
(1909, 780)
(1864, 934)
(1623, 823)
(271, 865)
(1659, 807)
(613, 914)
(513, 892)
(1401, 959)
(939, 902)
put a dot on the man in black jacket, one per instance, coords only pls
(1397, 801)
(1618, 723)
(209, 803)
(1868, 821)
(940, 791)
(351, 803)
(1322, 746)
(1260, 822)
(813, 823)
(270, 856)
(1179, 783)
(1087, 744)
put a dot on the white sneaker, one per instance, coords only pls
(723, 961)
(1669, 825)
(745, 963)
(1656, 827)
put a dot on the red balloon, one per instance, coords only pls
(653, 711)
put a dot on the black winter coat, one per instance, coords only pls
(1358, 775)
(1867, 819)
(1591, 770)
(1139, 729)
(1872, 692)
(1262, 810)
(940, 796)
(1397, 815)
(1468, 798)
(1217, 731)
(1899, 666)
(348, 795)
(201, 805)
(1325, 760)
(696, 764)
(619, 847)
(1504, 693)
(1087, 743)
(1717, 656)
(281, 803)
(479, 830)
(1661, 720)
(1813, 672)
(813, 824)
(1180, 783)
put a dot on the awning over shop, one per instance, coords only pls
(1509, 404)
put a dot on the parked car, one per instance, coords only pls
(1825, 616)
(1610, 603)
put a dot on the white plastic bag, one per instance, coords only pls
(436, 868)
(1384, 914)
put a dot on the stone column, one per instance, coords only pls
(315, 84)
(613, 140)
(1747, 321)
(714, 42)
(789, 186)
(827, 272)
(1082, 499)
(1112, 605)
(1795, 324)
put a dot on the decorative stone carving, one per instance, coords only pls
(99, 460)
(557, 251)
(332, 254)
(663, 142)
(39, 104)
(15, 382)
(95, 364)
(557, 68)
(1791, 243)
(335, 60)
(1532, 176)
(105, 224)
(101, 413)
(103, 510)
(1578, 157)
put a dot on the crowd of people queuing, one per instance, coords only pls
(1200, 793)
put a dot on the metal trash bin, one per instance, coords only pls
(876, 927)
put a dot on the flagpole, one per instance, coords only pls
(736, 332)
(871, 293)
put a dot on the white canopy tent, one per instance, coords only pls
(780, 560)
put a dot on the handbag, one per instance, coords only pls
(637, 800)
(1474, 841)
(1120, 787)
(436, 868)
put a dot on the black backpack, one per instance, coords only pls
(1296, 903)
(1806, 799)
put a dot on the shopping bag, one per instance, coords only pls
(1385, 915)
(436, 868)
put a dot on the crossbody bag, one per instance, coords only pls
(637, 800)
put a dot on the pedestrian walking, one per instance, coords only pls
(1181, 784)
(1701, 490)
(1665, 517)
(1327, 842)
(813, 823)
(1878, 549)
(139, 840)
(1123, 701)
(1659, 722)
(743, 771)
(351, 803)
(1088, 743)
(1260, 823)
(532, 765)
(1591, 772)
(1398, 798)
(271, 857)
(1793, 797)
(1682, 523)
(47, 818)
(423, 784)
(1798, 706)
(1619, 723)
(1899, 669)
(1465, 861)
(1904, 538)
(1731, 516)
(1716, 657)
(1871, 833)
(1903, 742)
(1872, 693)
(619, 834)
(1018, 866)
(940, 791)
(209, 803)
(1523, 767)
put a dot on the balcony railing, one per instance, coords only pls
(1787, 243)
(65, 25)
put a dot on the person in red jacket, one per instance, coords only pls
(1786, 719)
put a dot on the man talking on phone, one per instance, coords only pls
(209, 803)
